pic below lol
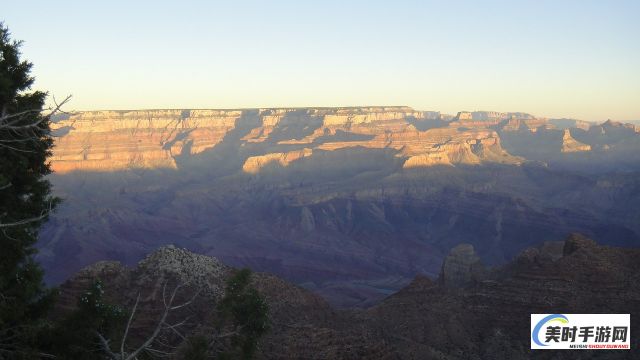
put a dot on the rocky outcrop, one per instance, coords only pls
(484, 319)
(302, 325)
(573, 144)
(491, 118)
(577, 242)
(569, 144)
(256, 164)
(515, 124)
(541, 143)
(491, 318)
(571, 123)
(461, 267)
(455, 147)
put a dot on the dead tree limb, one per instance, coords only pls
(161, 325)
(40, 217)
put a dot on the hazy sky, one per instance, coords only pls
(551, 58)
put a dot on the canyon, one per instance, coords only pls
(351, 203)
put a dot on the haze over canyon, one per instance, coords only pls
(351, 203)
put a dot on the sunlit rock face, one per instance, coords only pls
(569, 144)
(118, 140)
(150, 139)
(255, 164)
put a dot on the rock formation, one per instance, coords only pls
(152, 139)
(490, 318)
(117, 140)
(571, 123)
(461, 267)
(349, 202)
(573, 144)
(485, 319)
(302, 325)
(569, 144)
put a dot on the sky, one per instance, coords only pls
(560, 58)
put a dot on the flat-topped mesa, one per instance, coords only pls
(489, 118)
(472, 146)
(571, 123)
(531, 125)
(120, 140)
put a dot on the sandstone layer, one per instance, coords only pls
(118, 140)
(150, 139)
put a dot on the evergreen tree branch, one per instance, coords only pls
(41, 217)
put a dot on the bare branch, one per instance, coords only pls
(58, 107)
(164, 297)
(126, 329)
(12, 353)
(175, 331)
(24, 222)
(17, 115)
(14, 148)
(10, 121)
(42, 216)
(106, 347)
(158, 328)
(153, 337)
(188, 302)
(228, 334)
(157, 352)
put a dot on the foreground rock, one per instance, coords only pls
(487, 318)
(490, 318)
(303, 325)
(462, 267)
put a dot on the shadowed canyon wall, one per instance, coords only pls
(349, 202)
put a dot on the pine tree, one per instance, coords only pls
(250, 313)
(73, 337)
(25, 200)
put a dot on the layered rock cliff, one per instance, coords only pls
(148, 139)
(117, 140)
